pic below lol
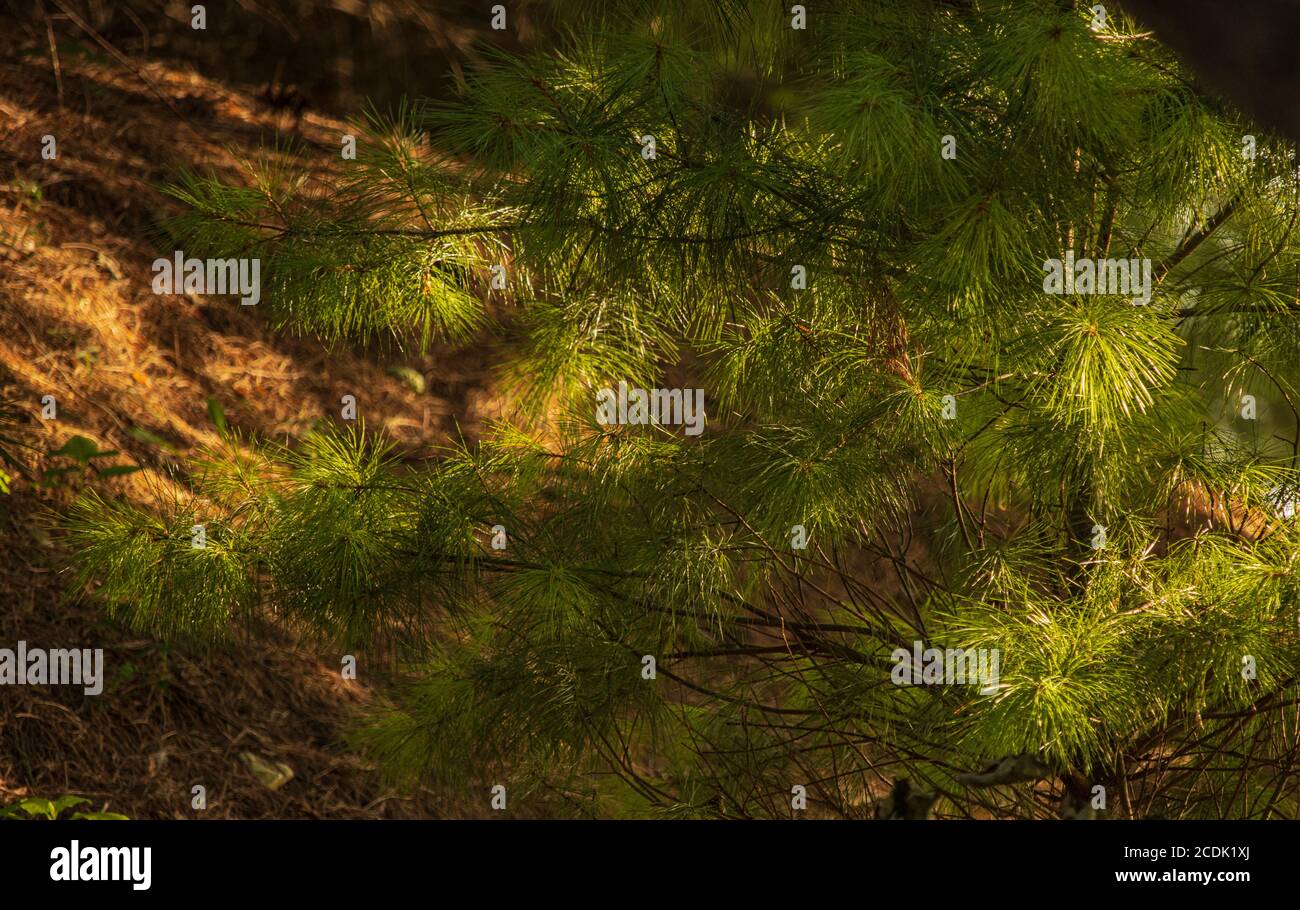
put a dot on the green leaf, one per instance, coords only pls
(39, 806)
(118, 470)
(153, 439)
(78, 448)
(410, 378)
(51, 475)
(67, 802)
(100, 816)
(218, 415)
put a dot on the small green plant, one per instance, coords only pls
(29, 192)
(87, 357)
(38, 808)
(83, 454)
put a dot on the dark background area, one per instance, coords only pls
(330, 55)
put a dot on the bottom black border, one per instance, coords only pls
(660, 860)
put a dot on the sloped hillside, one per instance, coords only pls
(135, 373)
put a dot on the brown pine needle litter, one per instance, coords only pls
(133, 372)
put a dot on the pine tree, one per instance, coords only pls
(839, 232)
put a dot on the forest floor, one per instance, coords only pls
(134, 372)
